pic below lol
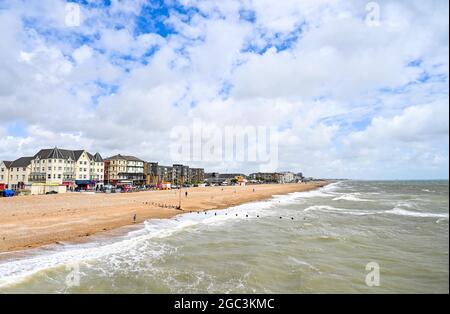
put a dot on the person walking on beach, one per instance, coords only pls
(185, 193)
(134, 218)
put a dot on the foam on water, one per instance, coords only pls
(16, 270)
(299, 262)
(331, 227)
(356, 212)
(404, 212)
(351, 197)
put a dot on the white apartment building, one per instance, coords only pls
(279, 177)
(67, 167)
(19, 173)
(4, 173)
(286, 177)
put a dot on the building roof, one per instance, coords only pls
(57, 153)
(124, 157)
(21, 162)
(7, 163)
(97, 158)
(77, 154)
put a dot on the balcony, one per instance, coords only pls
(37, 177)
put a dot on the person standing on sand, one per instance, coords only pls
(185, 193)
(134, 218)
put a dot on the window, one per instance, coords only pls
(59, 176)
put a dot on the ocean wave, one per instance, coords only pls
(338, 210)
(303, 263)
(409, 205)
(14, 271)
(404, 212)
(326, 191)
(351, 197)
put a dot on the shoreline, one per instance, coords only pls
(29, 222)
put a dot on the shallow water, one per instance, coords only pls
(321, 244)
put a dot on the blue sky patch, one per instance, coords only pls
(17, 128)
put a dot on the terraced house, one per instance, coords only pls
(67, 167)
(19, 173)
(4, 174)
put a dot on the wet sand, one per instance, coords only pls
(36, 220)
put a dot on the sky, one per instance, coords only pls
(354, 89)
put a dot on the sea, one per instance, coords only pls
(347, 237)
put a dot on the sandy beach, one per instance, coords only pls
(32, 221)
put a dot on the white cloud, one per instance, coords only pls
(421, 123)
(344, 95)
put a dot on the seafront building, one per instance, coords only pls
(176, 174)
(273, 177)
(264, 176)
(19, 173)
(156, 174)
(72, 168)
(286, 177)
(52, 169)
(299, 177)
(180, 174)
(124, 169)
(225, 178)
(4, 174)
(196, 175)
